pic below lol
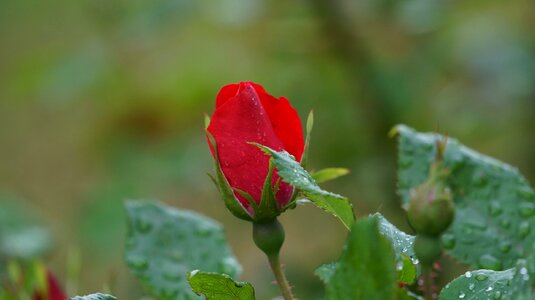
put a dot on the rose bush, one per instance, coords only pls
(245, 113)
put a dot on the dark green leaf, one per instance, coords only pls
(165, 243)
(366, 269)
(219, 287)
(97, 296)
(488, 284)
(292, 173)
(328, 174)
(495, 206)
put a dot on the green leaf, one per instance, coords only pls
(165, 243)
(366, 269)
(402, 245)
(328, 174)
(219, 286)
(488, 284)
(97, 296)
(293, 174)
(495, 206)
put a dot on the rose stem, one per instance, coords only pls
(284, 286)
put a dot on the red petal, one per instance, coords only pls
(242, 119)
(226, 92)
(285, 122)
(54, 290)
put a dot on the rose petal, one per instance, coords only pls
(285, 122)
(242, 119)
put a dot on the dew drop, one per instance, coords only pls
(136, 262)
(505, 223)
(448, 241)
(497, 295)
(143, 226)
(462, 295)
(488, 261)
(526, 193)
(527, 209)
(468, 274)
(471, 286)
(495, 209)
(523, 229)
(505, 246)
(490, 288)
(176, 256)
(481, 277)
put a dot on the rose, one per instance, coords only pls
(245, 113)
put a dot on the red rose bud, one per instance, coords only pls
(245, 113)
(53, 290)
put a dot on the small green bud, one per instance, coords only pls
(268, 237)
(431, 208)
(427, 249)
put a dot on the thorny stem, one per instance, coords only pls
(284, 286)
(428, 284)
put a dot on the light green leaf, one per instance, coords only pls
(328, 174)
(495, 205)
(487, 284)
(293, 174)
(97, 296)
(219, 287)
(165, 243)
(366, 269)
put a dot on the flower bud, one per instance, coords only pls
(431, 210)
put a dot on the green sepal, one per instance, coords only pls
(328, 174)
(309, 126)
(268, 209)
(226, 191)
(206, 121)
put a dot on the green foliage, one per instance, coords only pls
(21, 235)
(402, 243)
(165, 243)
(495, 205)
(487, 284)
(216, 286)
(365, 269)
(97, 296)
(328, 174)
(292, 173)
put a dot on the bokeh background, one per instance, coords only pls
(103, 100)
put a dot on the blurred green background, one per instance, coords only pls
(103, 100)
